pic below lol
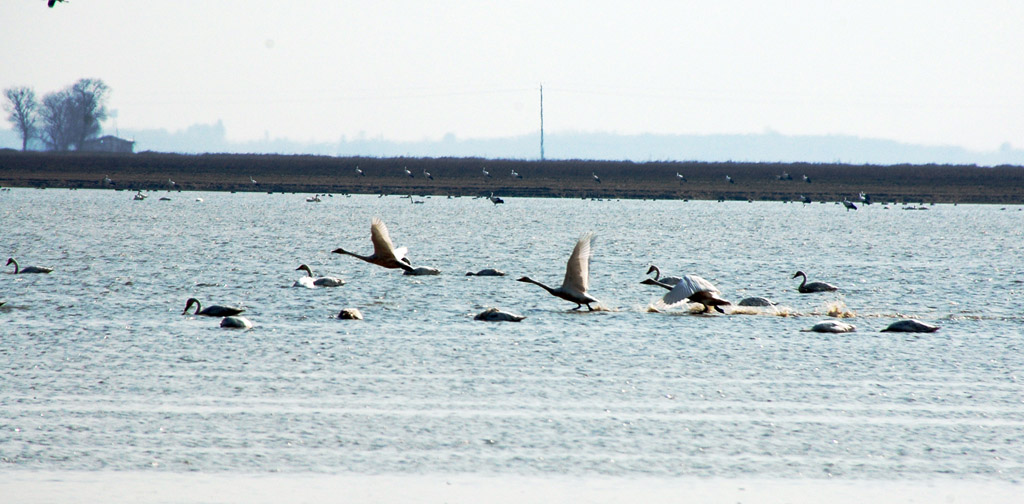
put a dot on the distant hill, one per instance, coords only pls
(763, 147)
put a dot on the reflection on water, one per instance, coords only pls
(103, 371)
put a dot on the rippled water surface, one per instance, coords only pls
(101, 371)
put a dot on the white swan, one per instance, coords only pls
(318, 281)
(496, 315)
(910, 325)
(577, 275)
(350, 314)
(806, 288)
(422, 271)
(670, 280)
(29, 269)
(833, 326)
(233, 322)
(384, 252)
(693, 289)
(211, 311)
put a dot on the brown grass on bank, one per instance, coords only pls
(563, 178)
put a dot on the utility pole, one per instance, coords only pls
(542, 122)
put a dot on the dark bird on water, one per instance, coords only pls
(806, 288)
(211, 311)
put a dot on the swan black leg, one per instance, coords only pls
(578, 306)
(590, 308)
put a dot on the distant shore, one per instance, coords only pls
(477, 176)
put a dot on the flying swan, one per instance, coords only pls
(577, 276)
(694, 289)
(384, 252)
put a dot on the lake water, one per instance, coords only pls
(105, 383)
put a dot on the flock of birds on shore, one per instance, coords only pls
(575, 287)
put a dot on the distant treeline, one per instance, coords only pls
(478, 176)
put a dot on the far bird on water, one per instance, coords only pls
(496, 315)
(422, 271)
(235, 323)
(849, 205)
(384, 252)
(486, 272)
(310, 281)
(494, 199)
(29, 269)
(806, 288)
(211, 311)
(669, 280)
(577, 276)
(694, 289)
(833, 326)
(910, 325)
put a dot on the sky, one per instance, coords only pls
(943, 73)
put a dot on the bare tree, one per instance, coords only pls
(23, 107)
(72, 116)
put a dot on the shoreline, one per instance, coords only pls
(481, 177)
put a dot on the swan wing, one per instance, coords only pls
(382, 246)
(688, 285)
(577, 271)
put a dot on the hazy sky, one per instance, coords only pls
(928, 72)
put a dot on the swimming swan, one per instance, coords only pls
(320, 281)
(756, 301)
(577, 276)
(486, 272)
(30, 269)
(694, 289)
(833, 326)
(384, 252)
(806, 288)
(910, 325)
(422, 271)
(211, 311)
(236, 323)
(671, 280)
(496, 315)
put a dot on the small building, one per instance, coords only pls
(108, 143)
